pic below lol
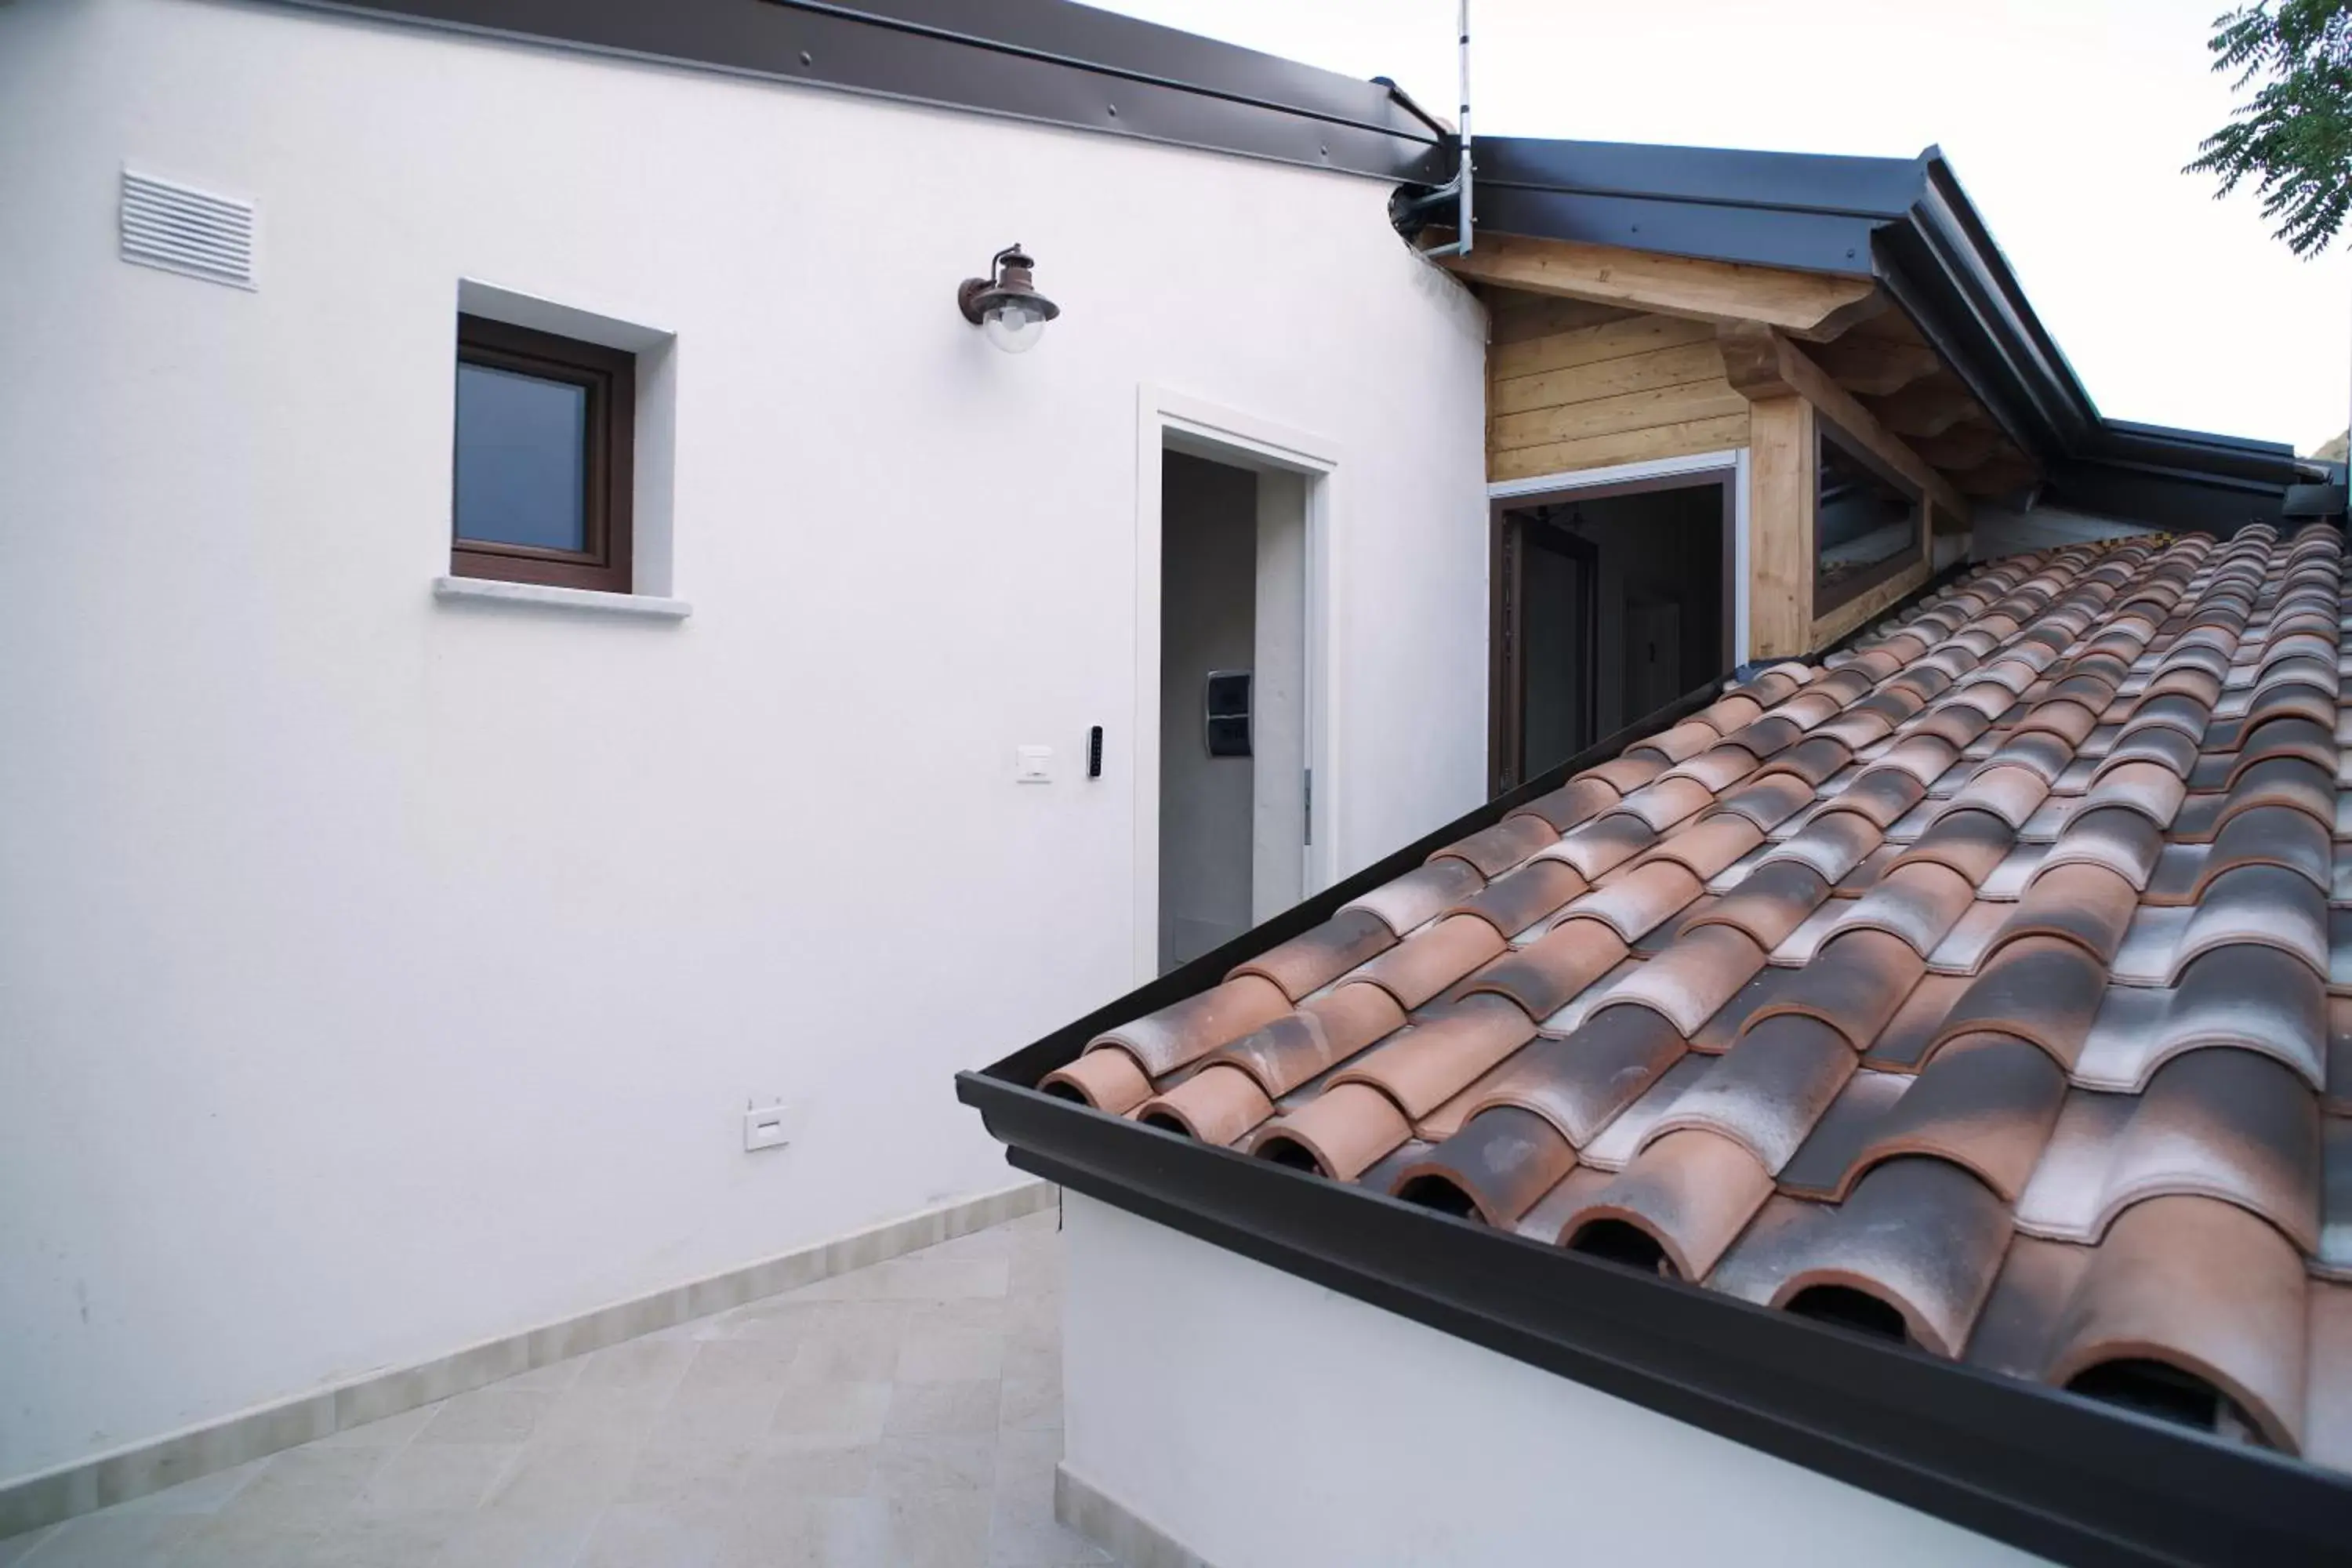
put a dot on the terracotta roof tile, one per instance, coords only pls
(1574, 803)
(1423, 1066)
(1691, 1193)
(1491, 851)
(1698, 973)
(1422, 966)
(1545, 973)
(1185, 1031)
(2200, 1286)
(1107, 1078)
(1314, 959)
(1326, 1030)
(1766, 1092)
(1217, 1105)
(1502, 1160)
(1417, 896)
(1517, 898)
(1998, 973)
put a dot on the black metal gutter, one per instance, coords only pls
(1910, 223)
(2041, 1469)
(1048, 61)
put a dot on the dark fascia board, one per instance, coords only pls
(1908, 223)
(1048, 61)
(2043, 1470)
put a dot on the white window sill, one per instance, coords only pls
(582, 601)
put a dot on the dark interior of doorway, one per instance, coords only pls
(1608, 603)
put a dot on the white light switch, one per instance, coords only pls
(1032, 764)
(768, 1126)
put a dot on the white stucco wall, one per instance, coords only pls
(376, 975)
(1261, 1421)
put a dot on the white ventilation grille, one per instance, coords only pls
(182, 230)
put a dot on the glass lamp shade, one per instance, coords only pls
(1014, 324)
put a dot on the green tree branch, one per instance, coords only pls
(2293, 137)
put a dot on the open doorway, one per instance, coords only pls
(1609, 603)
(1233, 797)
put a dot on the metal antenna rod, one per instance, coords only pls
(1459, 187)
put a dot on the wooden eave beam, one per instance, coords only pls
(1761, 363)
(1927, 407)
(1961, 446)
(1876, 367)
(2005, 472)
(1815, 306)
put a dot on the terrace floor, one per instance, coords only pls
(908, 1414)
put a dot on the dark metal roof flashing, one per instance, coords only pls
(1048, 61)
(1910, 223)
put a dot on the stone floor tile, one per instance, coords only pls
(905, 1416)
(636, 1363)
(563, 1476)
(385, 1540)
(946, 1355)
(788, 1321)
(1028, 1360)
(807, 1468)
(716, 1412)
(738, 1363)
(691, 1474)
(969, 1406)
(14, 1548)
(232, 1539)
(933, 1530)
(490, 1414)
(429, 1477)
(959, 1462)
(496, 1539)
(602, 1413)
(848, 1355)
(303, 1488)
(845, 1412)
(115, 1539)
(657, 1535)
(1030, 1402)
(1028, 1455)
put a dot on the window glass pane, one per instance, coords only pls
(1861, 519)
(523, 445)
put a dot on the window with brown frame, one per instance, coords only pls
(542, 459)
(1866, 520)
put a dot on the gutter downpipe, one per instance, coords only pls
(1459, 187)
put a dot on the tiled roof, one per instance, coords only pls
(1990, 987)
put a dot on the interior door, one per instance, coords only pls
(1548, 622)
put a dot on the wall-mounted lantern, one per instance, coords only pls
(1009, 309)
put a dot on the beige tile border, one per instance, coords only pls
(138, 1468)
(1082, 1507)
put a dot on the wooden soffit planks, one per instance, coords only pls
(1761, 363)
(1809, 305)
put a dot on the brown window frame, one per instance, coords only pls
(1828, 433)
(610, 378)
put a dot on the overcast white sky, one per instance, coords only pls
(2067, 121)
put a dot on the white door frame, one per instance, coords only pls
(1730, 464)
(1166, 419)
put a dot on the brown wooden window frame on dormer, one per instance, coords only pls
(609, 377)
(1827, 433)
